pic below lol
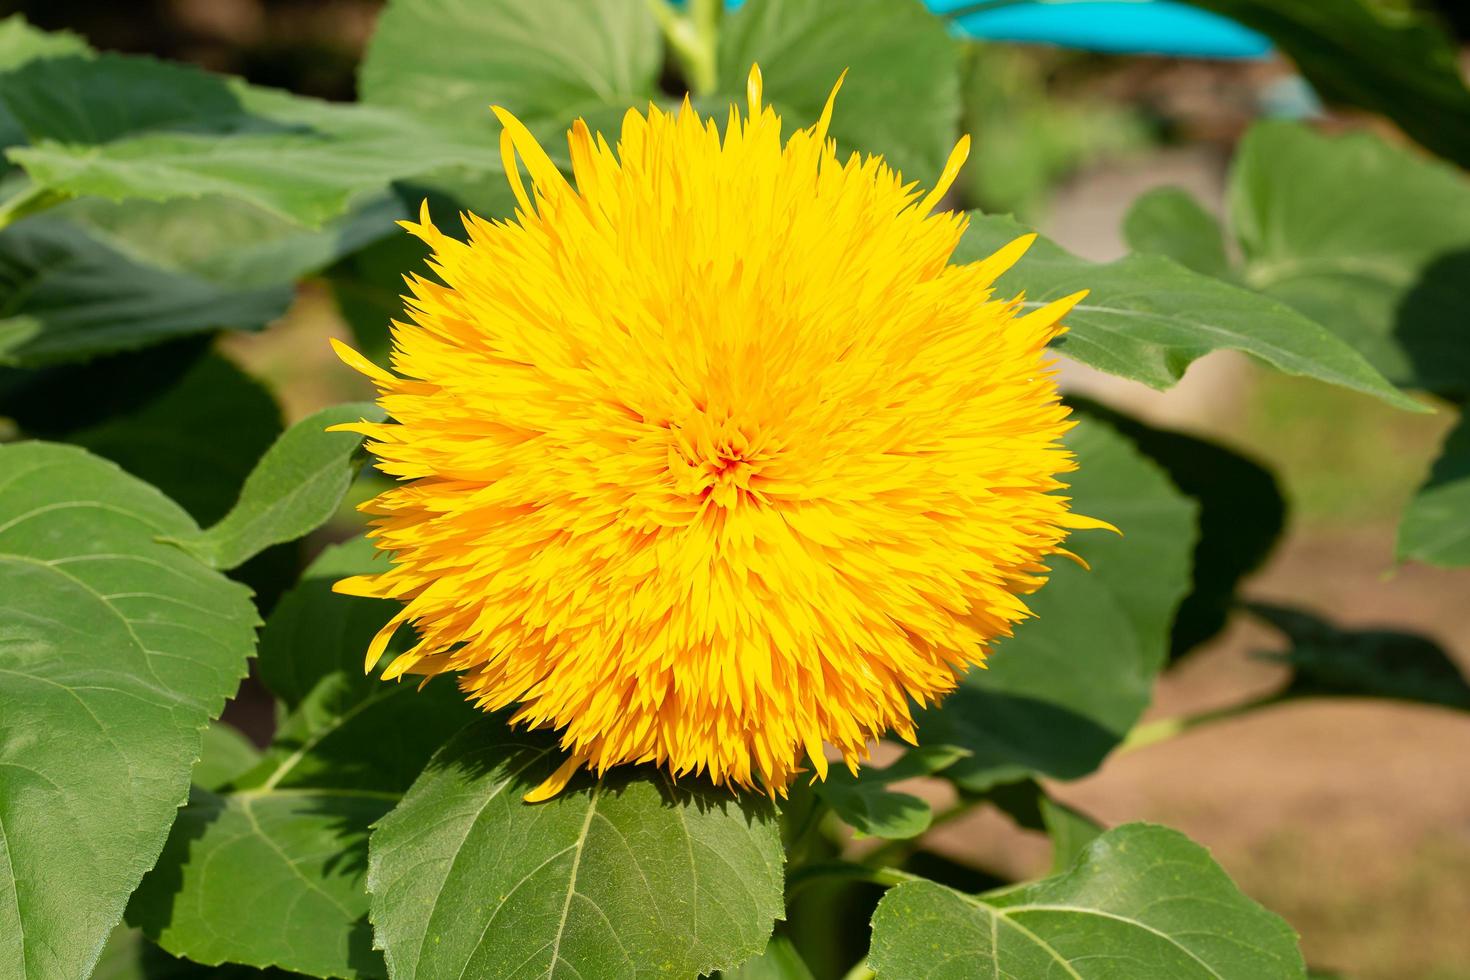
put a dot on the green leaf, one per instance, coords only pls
(368, 287)
(865, 802)
(1142, 903)
(625, 877)
(1148, 318)
(1367, 239)
(901, 97)
(129, 956)
(117, 650)
(1383, 57)
(1327, 660)
(66, 295)
(294, 489)
(1063, 692)
(197, 440)
(226, 755)
(1168, 221)
(20, 43)
(1436, 525)
(125, 127)
(547, 61)
(1242, 514)
(268, 869)
(780, 961)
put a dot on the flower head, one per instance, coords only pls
(710, 458)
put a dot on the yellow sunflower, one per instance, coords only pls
(710, 459)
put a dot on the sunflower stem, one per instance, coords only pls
(1164, 729)
(799, 878)
(693, 38)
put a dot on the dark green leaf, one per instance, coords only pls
(780, 961)
(19, 43)
(902, 94)
(1327, 660)
(226, 755)
(124, 127)
(1148, 318)
(369, 289)
(1062, 693)
(1436, 525)
(547, 61)
(197, 441)
(868, 805)
(66, 295)
(626, 877)
(1382, 57)
(129, 956)
(1141, 903)
(1170, 222)
(293, 490)
(1365, 238)
(1242, 513)
(116, 651)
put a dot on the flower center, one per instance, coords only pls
(719, 461)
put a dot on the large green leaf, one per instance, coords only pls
(124, 127)
(268, 869)
(66, 295)
(115, 651)
(1169, 221)
(1383, 57)
(548, 61)
(1436, 525)
(1063, 692)
(1142, 903)
(197, 440)
(19, 43)
(902, 94)
(294, 489)
(1148, 318)
(225, 755)
(780, 961)
(1327, 660)
(129, 956)
(625, 877)
(1368, 239)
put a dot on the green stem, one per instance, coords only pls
(27, 202)
(1164, 729)
(860, 971)
(693, 38)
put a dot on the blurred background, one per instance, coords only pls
(1352, 819)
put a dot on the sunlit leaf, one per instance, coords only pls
(1436, 525)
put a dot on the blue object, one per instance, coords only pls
(1119, 26)
(1116, 26)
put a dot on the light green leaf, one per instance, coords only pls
(1168, 221)
(780, 961)
(66, 295)
(1148, 318)
(866, 803)
(1436, 525)
(292, 491)
(19, 43)
(1326, 660)
(123, 127)
(115, 651)
(901, 97)
(226, 754)
(1063, 692)
(547, 61)
(1142, 903)
(1368, 239)
(268, 869)
(197, 440)
(622, 878)
(1384, 57)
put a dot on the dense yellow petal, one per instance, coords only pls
(709, 458)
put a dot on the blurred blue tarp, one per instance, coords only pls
(1116, 26)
